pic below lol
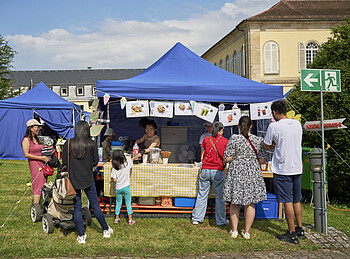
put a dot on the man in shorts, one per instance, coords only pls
(284, 136)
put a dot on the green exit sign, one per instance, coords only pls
(316, 79)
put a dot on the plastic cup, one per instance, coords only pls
(144, 159)
(165, 161)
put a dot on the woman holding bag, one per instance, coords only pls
(244, 182)
(212, 173)
(81, 157)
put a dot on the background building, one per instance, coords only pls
(76, 86)
(272, 47)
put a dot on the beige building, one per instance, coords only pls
(272, 47)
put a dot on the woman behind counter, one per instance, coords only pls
(244, 182)
(106, 144)
(83, 156)
(32, 150)
(150, 139)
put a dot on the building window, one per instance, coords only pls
(271, 65)
(237, 62)
(94, 91)
(64, 91)
(80, 91)
(230, 64)
(221, 65)
(243, 61)
(311, 52)
(302, 60)
(227, 65)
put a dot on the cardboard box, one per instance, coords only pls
(267, 209)
(147, 200)
(184, 202)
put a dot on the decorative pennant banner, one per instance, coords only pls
(161, 109)
(94, 116)
(327, 124)
(106, 99)
(183, 108)
(205, 111)
(95, 130)
(122, 102)
(260, 111)
(94, 105)
(230, 117)
(137, 109)
(193, 104)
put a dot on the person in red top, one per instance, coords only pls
(212, 173)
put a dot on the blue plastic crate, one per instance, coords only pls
(267, 209)
(117, 143)
(184, 202)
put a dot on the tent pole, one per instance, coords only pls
(107, 115)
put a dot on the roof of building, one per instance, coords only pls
(71, 77)
(306, 9)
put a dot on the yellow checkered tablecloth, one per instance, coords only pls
(155, 180)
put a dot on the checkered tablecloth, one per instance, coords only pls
(157, 180)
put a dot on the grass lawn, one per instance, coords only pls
(155, 237)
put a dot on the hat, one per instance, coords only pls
(33, 122)
(208, 124)
(109, 132)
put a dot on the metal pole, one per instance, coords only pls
(323, 176)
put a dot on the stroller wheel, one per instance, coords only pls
(47, 223)
(35, 212)
(87, 216)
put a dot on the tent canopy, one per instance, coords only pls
(55, 111)
(180, 74)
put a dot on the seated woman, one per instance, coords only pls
(150, 139)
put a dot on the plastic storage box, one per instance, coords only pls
(184, 202)
(267, 209)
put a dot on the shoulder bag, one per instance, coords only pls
(220, 156)
(256, 153)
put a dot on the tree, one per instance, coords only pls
(333, 54)
(6, 57)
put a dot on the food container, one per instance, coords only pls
(155, 157)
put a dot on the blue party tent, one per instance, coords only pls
(59, 114)
(180, 74)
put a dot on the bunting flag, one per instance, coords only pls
(122, 102)
(106, 98)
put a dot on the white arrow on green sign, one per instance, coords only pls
(315, 79)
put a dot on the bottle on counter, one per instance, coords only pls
(135, 150)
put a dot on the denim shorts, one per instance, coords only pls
(287, 187)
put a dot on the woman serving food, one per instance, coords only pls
(150, 139)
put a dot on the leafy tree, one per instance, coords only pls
(333, 54)
(6, 57)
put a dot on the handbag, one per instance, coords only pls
(47, 170)
(256, 153)
(220, 156)
(64, 186)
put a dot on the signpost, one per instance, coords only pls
(321, 80)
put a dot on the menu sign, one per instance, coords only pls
(230, 117)
(137, 109)
(260, 111)
(183, 108)
(205, 111)
(161, 109)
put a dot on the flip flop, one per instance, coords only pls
(132, 222)
(116, 221)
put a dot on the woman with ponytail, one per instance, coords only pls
(212, 173)
(244, 183)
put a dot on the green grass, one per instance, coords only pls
(149, 237)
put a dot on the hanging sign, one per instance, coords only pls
(94, 105)
(328, 125)
(230, 117)
(260, 111)
(94, 116)
(183, 108)
(205, 111)
(137, 109)
(161, 109)
(95, 130)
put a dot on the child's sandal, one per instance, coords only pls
(116, 221)
(132, 222)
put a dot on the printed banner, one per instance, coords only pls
(183, 108)
(137, 109)
(230, 117)
(327, 124)
(205, 111)
(161, 109)
(260, 111)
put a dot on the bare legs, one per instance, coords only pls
(36, 198)
(249, 214)
(293, 210)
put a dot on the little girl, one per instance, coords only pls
(121, 176)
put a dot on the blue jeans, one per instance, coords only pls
(119, 199)
(207, 178)
(78, 217)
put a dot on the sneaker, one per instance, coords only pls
(300, 232)
(131, 222)
(81, 239)
(116, 221)
(233, 234)
(107, 233)
(195, 222)
(290, 237)
(245, 235)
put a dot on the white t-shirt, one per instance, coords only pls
(205, 134)
(123, 175)
(287, 156)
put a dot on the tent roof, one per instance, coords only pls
(39, 97)
(180, 74)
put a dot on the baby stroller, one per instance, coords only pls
(57, 211)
